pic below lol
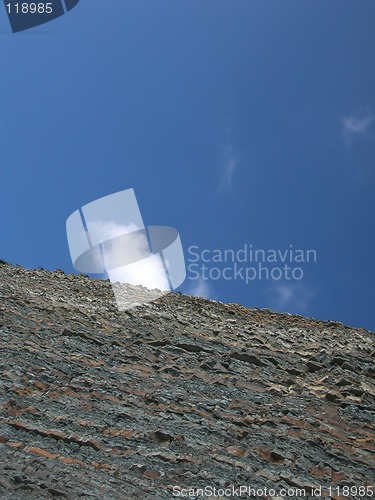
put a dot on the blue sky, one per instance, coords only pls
(235, 121)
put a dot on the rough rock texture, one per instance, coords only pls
(181, 392)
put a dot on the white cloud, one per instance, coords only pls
(148, 272)
(353, 125)
(127, 257)
(200, 288)
(107, 230)
(291, 297)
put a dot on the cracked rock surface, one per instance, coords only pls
(181, 392)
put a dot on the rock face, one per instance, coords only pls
(180, 393)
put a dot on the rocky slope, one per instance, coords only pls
(179, 393)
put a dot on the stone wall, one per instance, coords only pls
(180, 393)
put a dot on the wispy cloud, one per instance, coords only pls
(291, 297)
(200, 288)
(354, 125)
(227, 168)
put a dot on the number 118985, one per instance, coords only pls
(30, 8)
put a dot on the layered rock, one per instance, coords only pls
(179, 393)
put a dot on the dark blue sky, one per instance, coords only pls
(235, 121)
